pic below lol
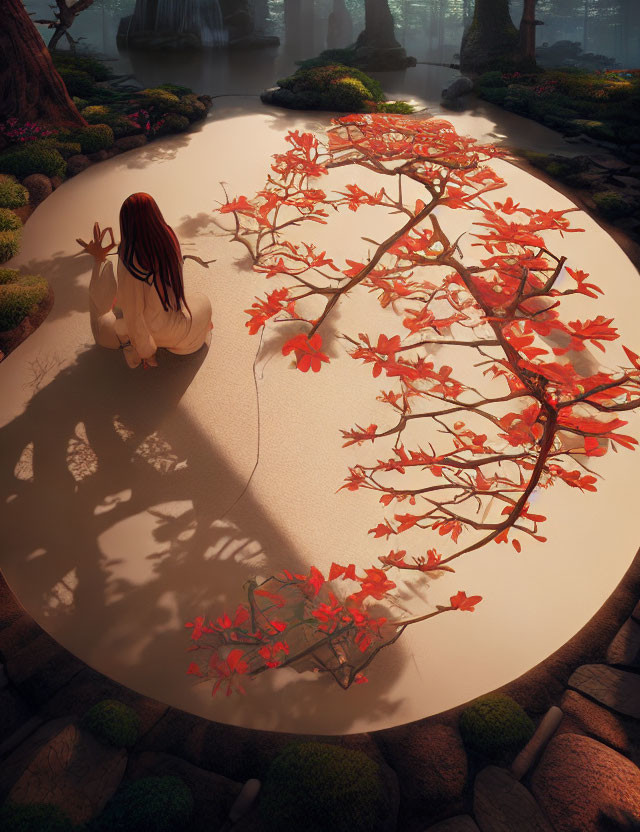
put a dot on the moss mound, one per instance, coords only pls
(34, 817)
(34, 157)
(151, 804)
(113, 722)
(19, 295)
(12, 195)
(91, 139)
(331, 86)
(319, 787)
(495, 725)
(614, 205)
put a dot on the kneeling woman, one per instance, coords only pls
(149, 291)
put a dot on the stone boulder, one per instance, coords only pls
(584, 786)
(431, 765)
(130, 142)
(461, 86)
(502, 804)
(73, 771)
(76, 164)
(39, 187)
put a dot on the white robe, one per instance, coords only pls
(144, 325)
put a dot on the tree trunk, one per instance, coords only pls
(528, 31)
(491, 42)
(379, 30)
(30, 87)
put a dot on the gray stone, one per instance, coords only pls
(461, 86)
(76, 164)
(627, 181)
(625, 648)
(610, 163)
(617, 689)
(461, 823)
(502, 804)
(583, 786)
(73, 771)
(131, 142)
(39, 187)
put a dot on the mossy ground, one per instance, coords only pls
(602, 106)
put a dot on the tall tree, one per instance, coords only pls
(528, 25)
(492, 40)
(30, 87)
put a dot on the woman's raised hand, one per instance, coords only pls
(95, 247)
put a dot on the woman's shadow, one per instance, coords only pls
(120, 524)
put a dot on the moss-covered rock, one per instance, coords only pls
(12, 194)
(20, 294)
(112, 722)
(96, 113)
(319, 787)
(34, 817)
(613, 205)
(34, 157)
(151, 804)
(495, 725)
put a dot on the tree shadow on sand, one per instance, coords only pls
(122, 521)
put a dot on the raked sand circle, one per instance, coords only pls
(118, 488)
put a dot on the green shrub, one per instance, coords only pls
(176, 89)
(402, 107)
(95, 113)
(20, 294)
(64, 148)
(173, 123)
(83, 63)
(9, 221)
(34, 157)
(152, 804)
(495, 725)
(113, 722)
(490, 80)
(195, 108)
(33, 817)
(77, 82)
(9, 245)
(12, 195)
(79, 102)
(122, 126)
(91, 139)
(319, 787)
(614, 205)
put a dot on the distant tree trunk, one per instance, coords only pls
(30, 87)
(379, 29)
(528, 31)
(492, 41)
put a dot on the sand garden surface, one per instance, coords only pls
(119, 489)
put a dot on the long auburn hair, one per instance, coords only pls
(145, 236)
